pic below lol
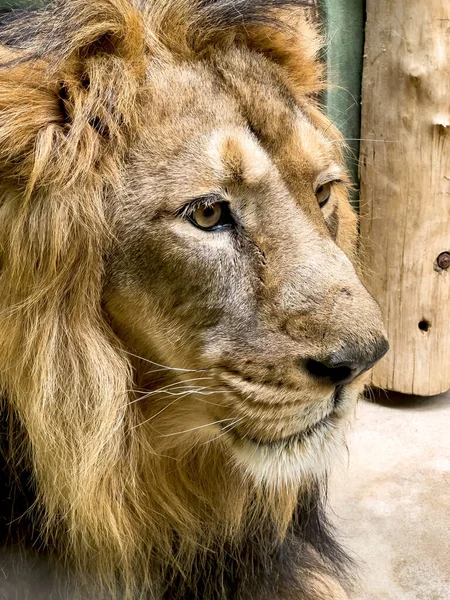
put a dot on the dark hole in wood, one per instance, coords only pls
(443, 260)
(424, 325)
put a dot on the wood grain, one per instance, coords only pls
(405, 187)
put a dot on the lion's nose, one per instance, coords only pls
(344, 366)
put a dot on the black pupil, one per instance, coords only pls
(208, 211)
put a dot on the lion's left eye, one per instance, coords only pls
(210, 216)
(323, 194)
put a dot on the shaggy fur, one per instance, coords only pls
(156, 377)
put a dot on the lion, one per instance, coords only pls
(183, 330)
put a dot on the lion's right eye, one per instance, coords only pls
(209, 215)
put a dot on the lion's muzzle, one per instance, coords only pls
(349, 363)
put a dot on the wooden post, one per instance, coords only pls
(405, 188)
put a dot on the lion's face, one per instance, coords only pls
(180, 315)
(232, 275)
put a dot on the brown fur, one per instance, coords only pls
(121, 339)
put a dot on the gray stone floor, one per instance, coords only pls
(390, 501)
(23, 577)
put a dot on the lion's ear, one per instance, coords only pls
(293, 42)
(68, 102)
(282, 30)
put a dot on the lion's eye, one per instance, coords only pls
(207, 217)
(210, 216)
(323, 194)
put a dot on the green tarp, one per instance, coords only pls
(345, 22)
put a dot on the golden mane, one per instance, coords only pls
(72, 83)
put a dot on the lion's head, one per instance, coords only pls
(183, 331)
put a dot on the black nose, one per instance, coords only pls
(344, 366)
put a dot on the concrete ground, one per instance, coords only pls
(392, 500)
(391, 504)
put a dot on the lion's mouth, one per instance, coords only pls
(296, 438)
(286, 441)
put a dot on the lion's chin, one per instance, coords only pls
(291, 462)
(296, 459)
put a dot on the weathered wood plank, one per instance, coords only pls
(405, 187)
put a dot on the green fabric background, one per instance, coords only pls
(345, 22)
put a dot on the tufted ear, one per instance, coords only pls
(68, 102)
(294, 43)
(280, 29)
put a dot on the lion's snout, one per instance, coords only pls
(347, 364)
(326, 312)
(351, 336)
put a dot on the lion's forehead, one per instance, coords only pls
(209, 124)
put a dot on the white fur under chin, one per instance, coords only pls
(291, 463)
(288, 465)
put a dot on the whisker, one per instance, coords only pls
(215, 392)
(224, 431)
(172, 385)
(179, 396)
(159, 412)
(177, 388)
(164, 367)
(195, 428)
(194, 391)
(211, 403)
(165, 389)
